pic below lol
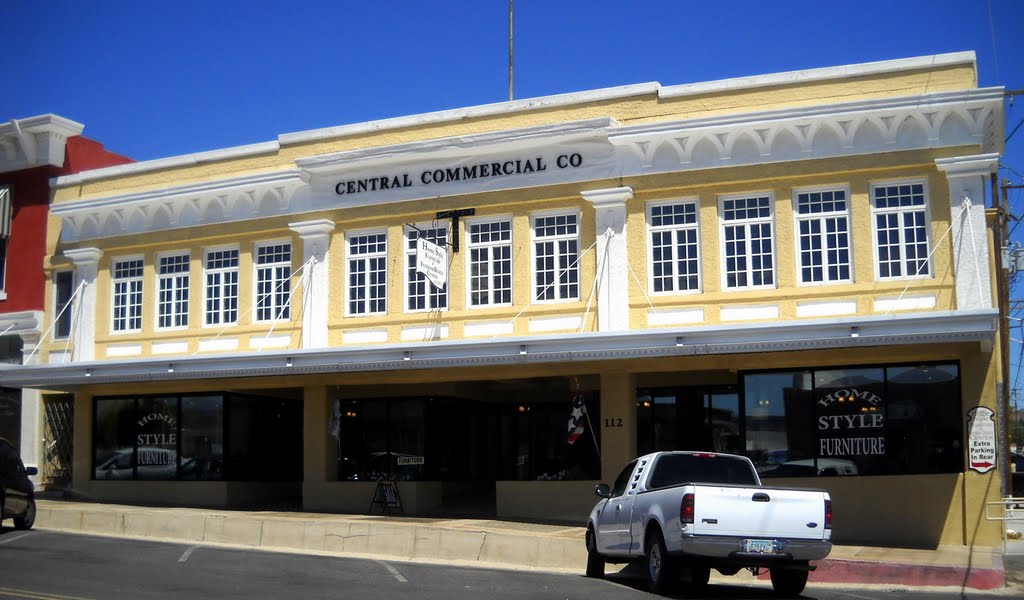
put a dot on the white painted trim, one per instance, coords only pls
(259, 341)
(59, 357)
(826, 308)
(923, 328)
(218, 345)
(797, 218)
(121, 350)
(650, 247)
(347, 258)
(35, 141)
(722, 223)
(365, 336)
(549, 324)
(750, 313)
(914, 302)
(488, 328)
(468, 263)
(205, 271)
(425, 333)
(555, 212)
(275, 310)
(22, 322)
(170, 347)
(159, 277)
(873, 212)
(112, 267)
(661, 317)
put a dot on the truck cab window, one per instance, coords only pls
(622, 480)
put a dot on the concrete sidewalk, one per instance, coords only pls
(486, 543)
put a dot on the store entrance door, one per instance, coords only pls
(688, 418)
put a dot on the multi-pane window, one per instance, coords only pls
(421, 294)
(675, 258)
(901, 230)
(367, 273)
(172, 291)
(556, 257)
(63, 282)
(127, 275)
(221, 287)
(6, 212)
(822, 218)
(273, 281)
(490, 263)
(747, 231)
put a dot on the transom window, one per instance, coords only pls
(421, 294)
(172, 284)
(221, 287)
(822, 218)
(901, 230)
(273, 281)
(127, 294)
(490, 263)
(367, 273)
(556, 257)
(674, 250)
(747, 231)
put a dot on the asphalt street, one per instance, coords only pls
(43, 565)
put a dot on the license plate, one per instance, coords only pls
(761, 546)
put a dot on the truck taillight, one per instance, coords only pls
(686, 509)
(828, 514)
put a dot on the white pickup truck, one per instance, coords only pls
(685, 513)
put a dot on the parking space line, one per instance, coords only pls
(394, 572)
(11, 539)
(187, 554)
(36, 595)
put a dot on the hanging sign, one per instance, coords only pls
(432, 261)
(981, 439)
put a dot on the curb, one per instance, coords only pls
(854, 571)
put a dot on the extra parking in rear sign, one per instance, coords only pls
(981, 439)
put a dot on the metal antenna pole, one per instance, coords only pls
(510, 21)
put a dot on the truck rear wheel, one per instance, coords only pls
(788, 582)
(662, 569)
(595, 562)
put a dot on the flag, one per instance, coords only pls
(579, 409)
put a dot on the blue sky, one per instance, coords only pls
(155, 79)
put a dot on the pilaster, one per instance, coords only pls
(966, 177)
(83, 333)
(316, 241)
(612, 261)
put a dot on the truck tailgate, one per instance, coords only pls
(759, 512)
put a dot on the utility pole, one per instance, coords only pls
(511, 20)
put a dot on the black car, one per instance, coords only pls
(17, 494)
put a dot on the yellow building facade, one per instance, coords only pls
(797, 267)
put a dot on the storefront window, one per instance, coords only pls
(854, 421)
(113, 439)
(156, 438)
(688, 418)
(202, 438)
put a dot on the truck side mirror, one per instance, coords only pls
(30, 471)
(602, 490)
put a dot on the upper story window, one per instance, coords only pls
(367, 273)
(901, 229)
(273, 281)
(490, 263)
(6, 210)
(63, 288)
(823, 228)
(172, 291)
(421, 294)
(127, 276)
(675, 246)
(556, 257)
(747, 224)
(221, 288)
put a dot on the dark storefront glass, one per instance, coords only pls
(688, 419)
(218, 437)
(855, 421)
(453, 439)
(202, 438)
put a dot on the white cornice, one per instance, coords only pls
(457, 145)
(21, 322)
(965, 166)
(35, 141)
(884, 330)
(822, 74)
(185, 160)
(963, 118)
